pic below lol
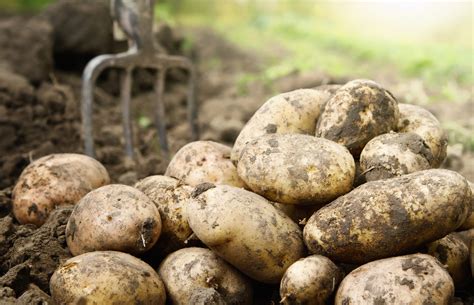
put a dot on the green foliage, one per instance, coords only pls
(23, 5)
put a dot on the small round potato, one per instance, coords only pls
(420, 121)
(113, 217)
(394, 154)
(359, 111)
(204, 161)
(246, 230)
(410, 279)
(106, 277)
(197, 274)
(291, 112)
(53, 180)
(297, 169)
(454, 254)
(171, 197)
(389, 217)
(469, 223)
(310, 281)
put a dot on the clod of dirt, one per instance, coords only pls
(31, 255)
(82, 29)
(26, 47)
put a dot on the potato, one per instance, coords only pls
(245, 230)
(298, 213)
(170, 196)
(55, 180)
(410, 279)
(394, 154)
(454, 254)
(310, 281)
(296, 169)
(420, 121)
(194, 274)
(466, 236)
(204, 161)
(291, 112)
(389, 217)
(469, 223)
(113, 217)
(359, 111)
(106, 277)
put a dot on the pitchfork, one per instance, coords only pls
(135, 17)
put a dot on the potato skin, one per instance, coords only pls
(54, 180)
(394, 154)
(106, 277)
(170, 196)
(204, 161)
(198, 273)
(297, 169)
(454, 254)
(469, 223)
(410, 279)
(389, 217)
(310, 281)
(113, 217)
(291, 112)
(245, 230)
(420, 121)
(359, 111)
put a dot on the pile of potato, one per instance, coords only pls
(332, 193)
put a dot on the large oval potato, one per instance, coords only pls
(411, 279)
(106, 277)
(469, 223)
(196, 273)
(170, 196)
(113, 217)
(389, 217)
(204, 161)
(296, 169)
(55, 180)
(420, 121)
(310, 281)
(246, 230)
(394, 154)
(454, 254)
(291, 112)
(359, 111)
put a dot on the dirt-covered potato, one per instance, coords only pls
(466, 236)
(53, 180)
(113, 217)
(291, 112)
(454, 255)
(106, 277)
(389, 217)
(469, 223)
(420, 121)
(310, 281)
(394, 154)
(193, 274)
(296, 168)
(246, 230)
(170, 196)
(359, 111)
(204, 161)
(411, 279)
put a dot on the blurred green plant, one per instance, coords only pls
(23, 5)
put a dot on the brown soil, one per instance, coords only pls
(41, 62)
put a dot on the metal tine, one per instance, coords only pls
(125, 96)
(160, 112)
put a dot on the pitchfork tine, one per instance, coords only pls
(125, 96)
(160, 111)
(191, 103)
